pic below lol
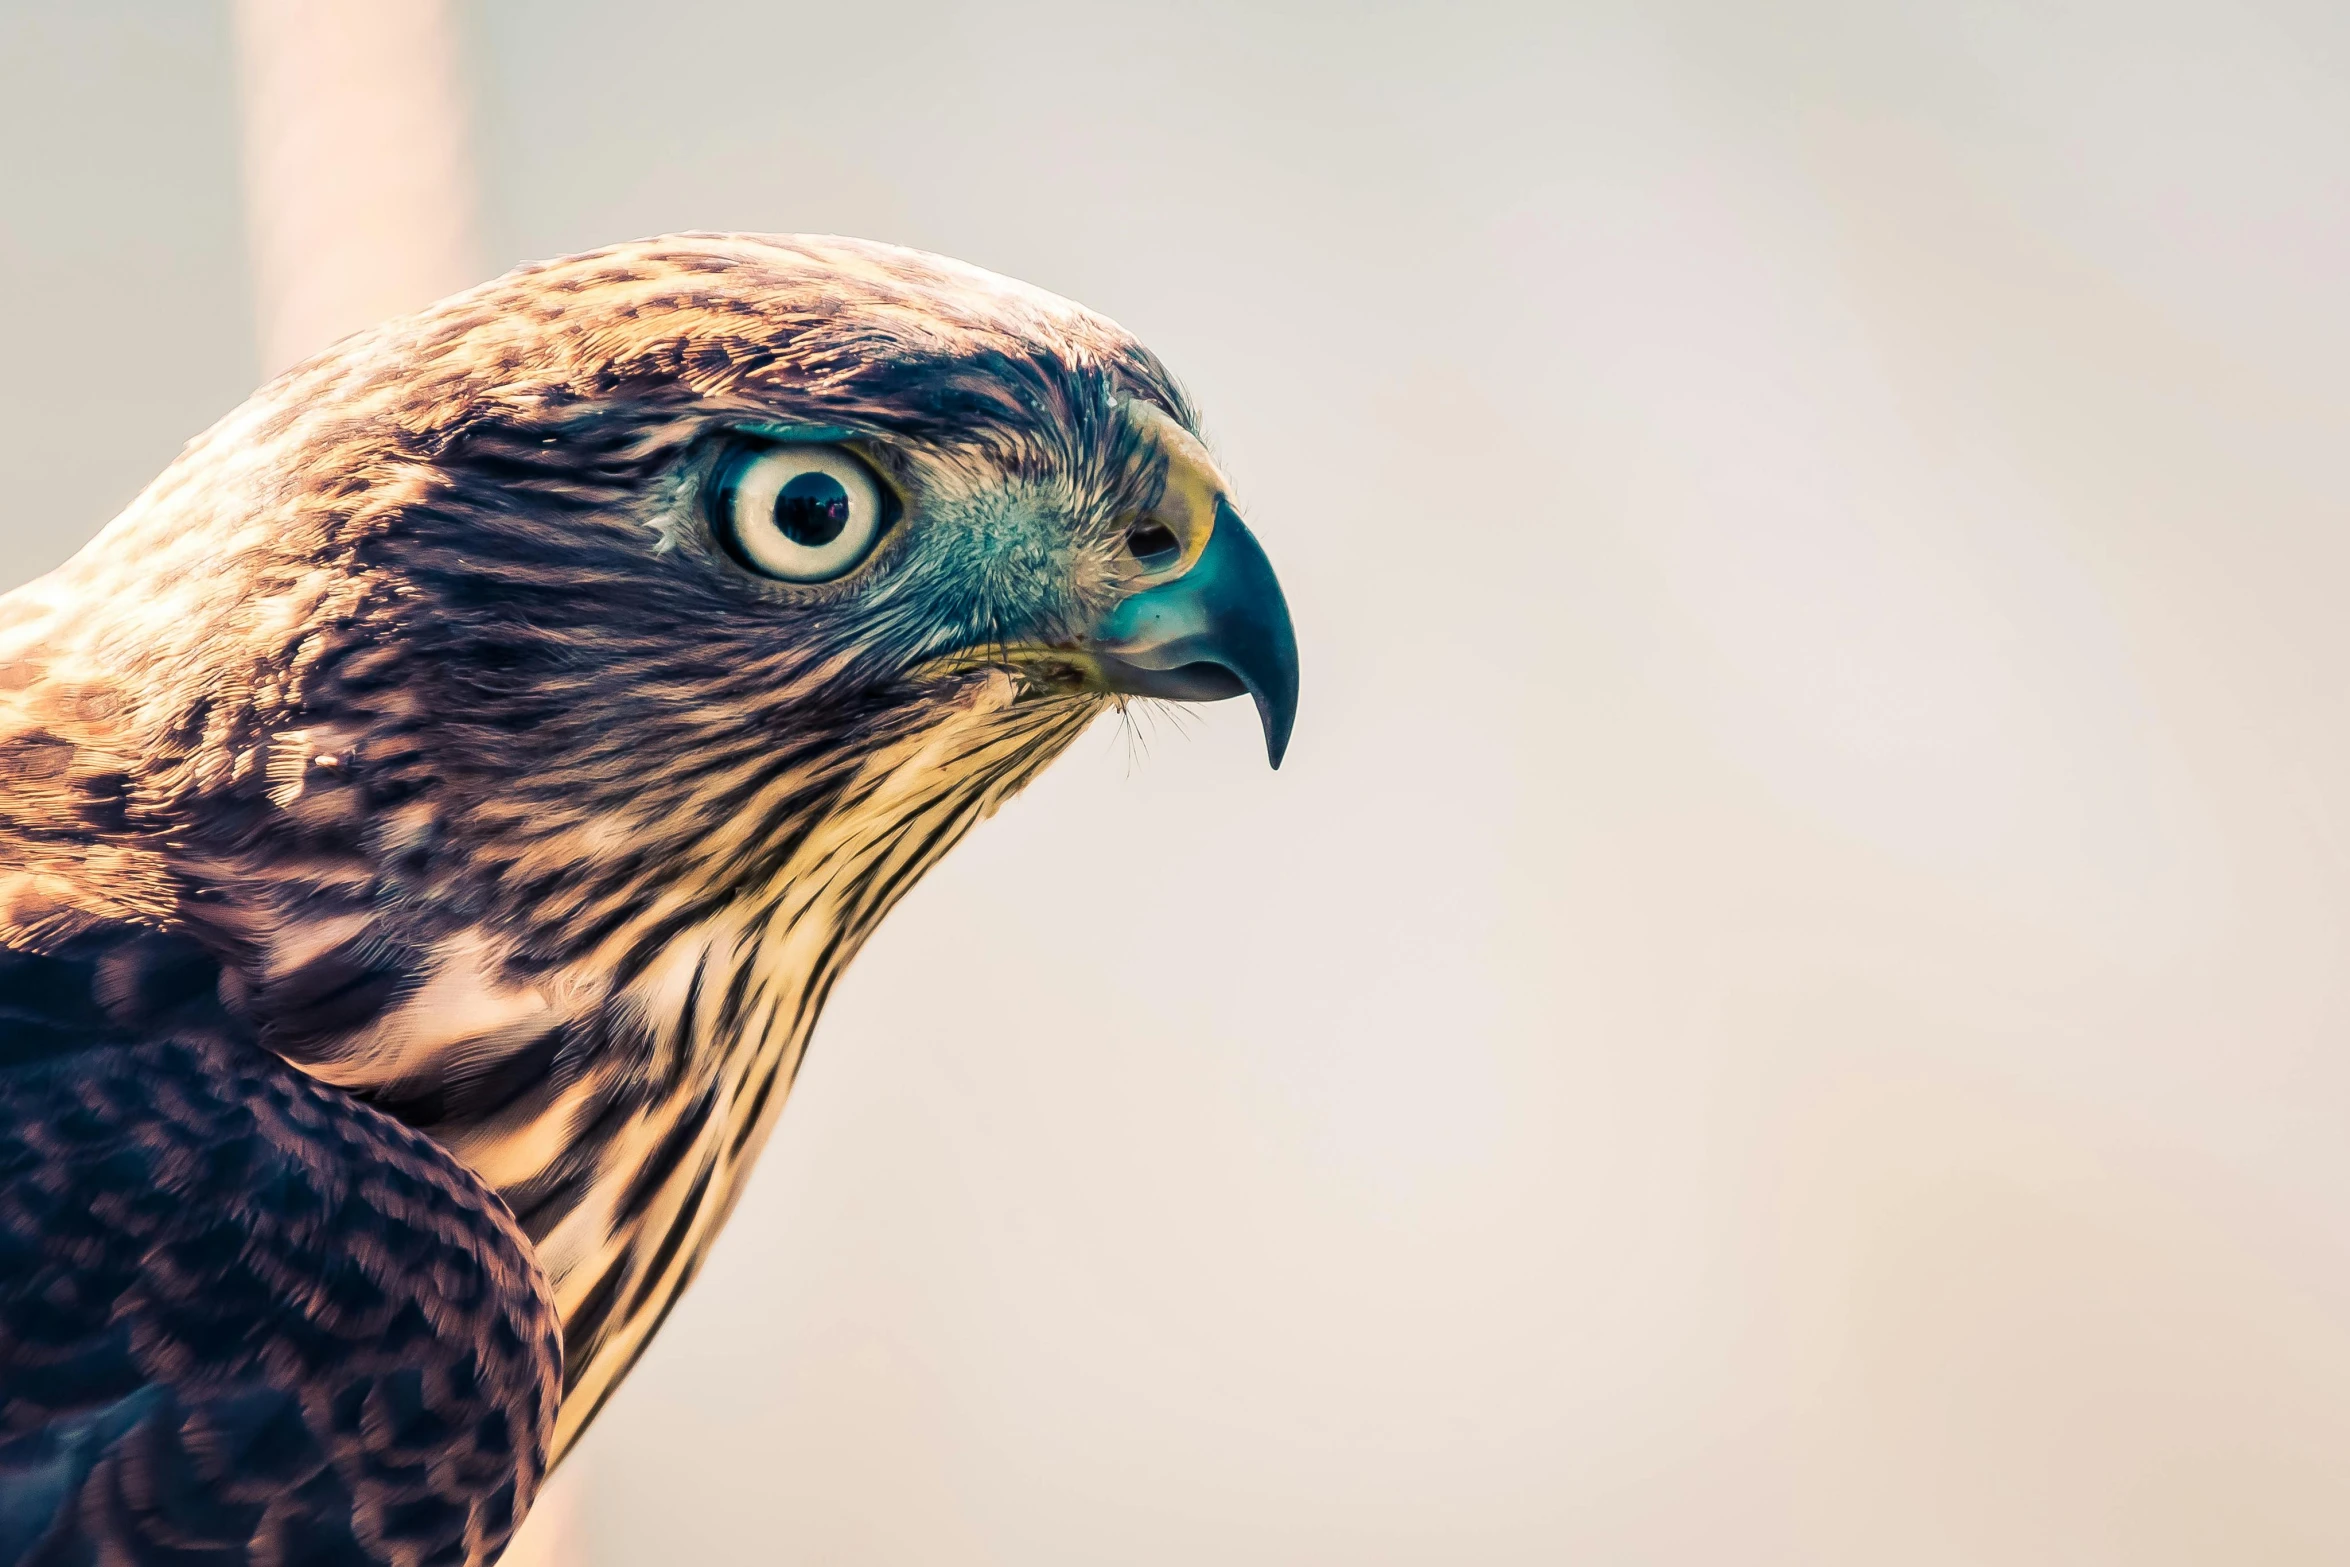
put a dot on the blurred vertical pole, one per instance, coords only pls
(358, 189)
(360, 204)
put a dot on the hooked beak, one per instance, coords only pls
(1204, 618)
(1218, 630)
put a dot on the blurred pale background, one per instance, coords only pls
(1790, 1004)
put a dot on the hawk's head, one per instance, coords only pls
(534, 702)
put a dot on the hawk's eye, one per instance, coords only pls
(800, 513)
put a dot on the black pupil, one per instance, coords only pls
(812, 509)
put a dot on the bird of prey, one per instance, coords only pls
(434, 813)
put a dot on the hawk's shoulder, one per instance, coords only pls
(238, 1308)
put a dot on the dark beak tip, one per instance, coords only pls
(1277, 712)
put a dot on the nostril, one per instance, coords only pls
(1154, 544)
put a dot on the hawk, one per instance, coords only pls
(433, 815)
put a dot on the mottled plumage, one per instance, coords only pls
(237, 1307)
(417, 726)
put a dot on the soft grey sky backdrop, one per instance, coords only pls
(1789, 1005)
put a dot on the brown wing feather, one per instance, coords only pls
(241, 1314)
